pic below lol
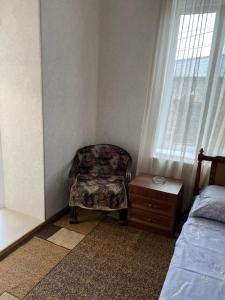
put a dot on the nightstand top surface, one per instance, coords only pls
(171, 186)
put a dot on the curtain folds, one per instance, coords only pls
(185, 107)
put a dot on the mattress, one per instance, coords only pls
(197, 269)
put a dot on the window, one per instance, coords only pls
(196, 86)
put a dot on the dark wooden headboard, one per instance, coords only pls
(217, 171)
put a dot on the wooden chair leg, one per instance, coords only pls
(73, 215)
(123, 217)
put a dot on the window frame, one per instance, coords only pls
(216, 51)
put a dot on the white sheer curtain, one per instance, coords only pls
(185, 108)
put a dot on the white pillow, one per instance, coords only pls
(210, 203)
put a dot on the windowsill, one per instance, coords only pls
(14, 225)
(164, 155)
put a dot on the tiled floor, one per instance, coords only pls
(25, 267)
(66, 238)
(13, 225)
(7, 296)
(47, 231)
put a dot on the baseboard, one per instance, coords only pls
(31, 233)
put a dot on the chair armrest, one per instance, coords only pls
(128, 174)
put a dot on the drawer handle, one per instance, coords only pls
(151, 205)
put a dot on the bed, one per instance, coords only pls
(197, 268)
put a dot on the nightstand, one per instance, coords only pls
(154, 207)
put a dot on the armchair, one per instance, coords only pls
(98, 180)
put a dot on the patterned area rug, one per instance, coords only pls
(111, 262)
(25, 267)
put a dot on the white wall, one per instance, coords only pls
(127, 40)
(21, 106)
(69, 59)
(2, 194)
(96, 56)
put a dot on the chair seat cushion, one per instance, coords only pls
(103, 193)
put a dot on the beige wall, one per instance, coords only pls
(70, 31)
(127, 41)
(21, 106)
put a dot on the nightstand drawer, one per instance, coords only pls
(147, 193)
(152, 205)
(151, 219)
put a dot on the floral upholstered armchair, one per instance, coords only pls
(98, 180)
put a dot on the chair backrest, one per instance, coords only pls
(100, 160)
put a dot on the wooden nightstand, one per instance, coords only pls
(154, 207)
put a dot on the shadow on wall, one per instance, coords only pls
(57, 191)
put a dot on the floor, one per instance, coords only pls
(25, 267)
(14, 225)
(95, 259)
